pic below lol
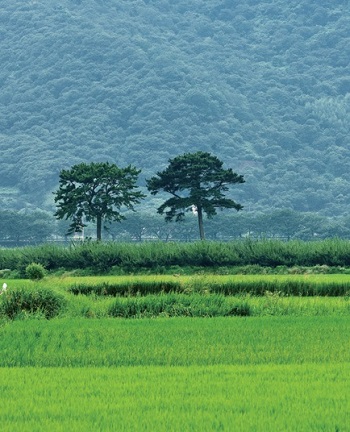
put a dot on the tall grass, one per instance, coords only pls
(104, 257)
(40, 302)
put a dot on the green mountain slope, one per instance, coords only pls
(264, 86)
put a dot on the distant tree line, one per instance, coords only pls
(36, 227)
(97, 192)
(283, 224)
(101, 193)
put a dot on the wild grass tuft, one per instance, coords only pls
(21, 302)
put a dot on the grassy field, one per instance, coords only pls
(246, 374)
(175, 341)
(285, 367)
(262, 398)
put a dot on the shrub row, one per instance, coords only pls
(103, 257)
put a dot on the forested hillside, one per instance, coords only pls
(263, 85)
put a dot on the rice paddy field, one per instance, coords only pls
(176, 353)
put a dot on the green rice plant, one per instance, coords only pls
(91, 306)
(215, 305)
(199, 295)
(275, 304)
(229, 285)
(287, 287)
(268, 397)
(39, 301)
(99, 287)
(177, 341)
(240, 308)
(127, 288)
(172, 305)
(196, 305)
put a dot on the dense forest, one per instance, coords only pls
(263, 85)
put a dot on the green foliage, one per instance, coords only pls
(97, 257)
(96, 192)
(22, 302)
(19, 227)
(48, 255)
(5, 273)
(35, 271)
(196, 182)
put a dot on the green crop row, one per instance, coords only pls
(200, 295)
(157, 257)
(179, 374)
(290, 286)
(288, 398)
(40, 304)
(175, 342)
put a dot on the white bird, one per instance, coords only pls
(4, 286)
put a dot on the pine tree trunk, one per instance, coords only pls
(200, 223)
(99, 228)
